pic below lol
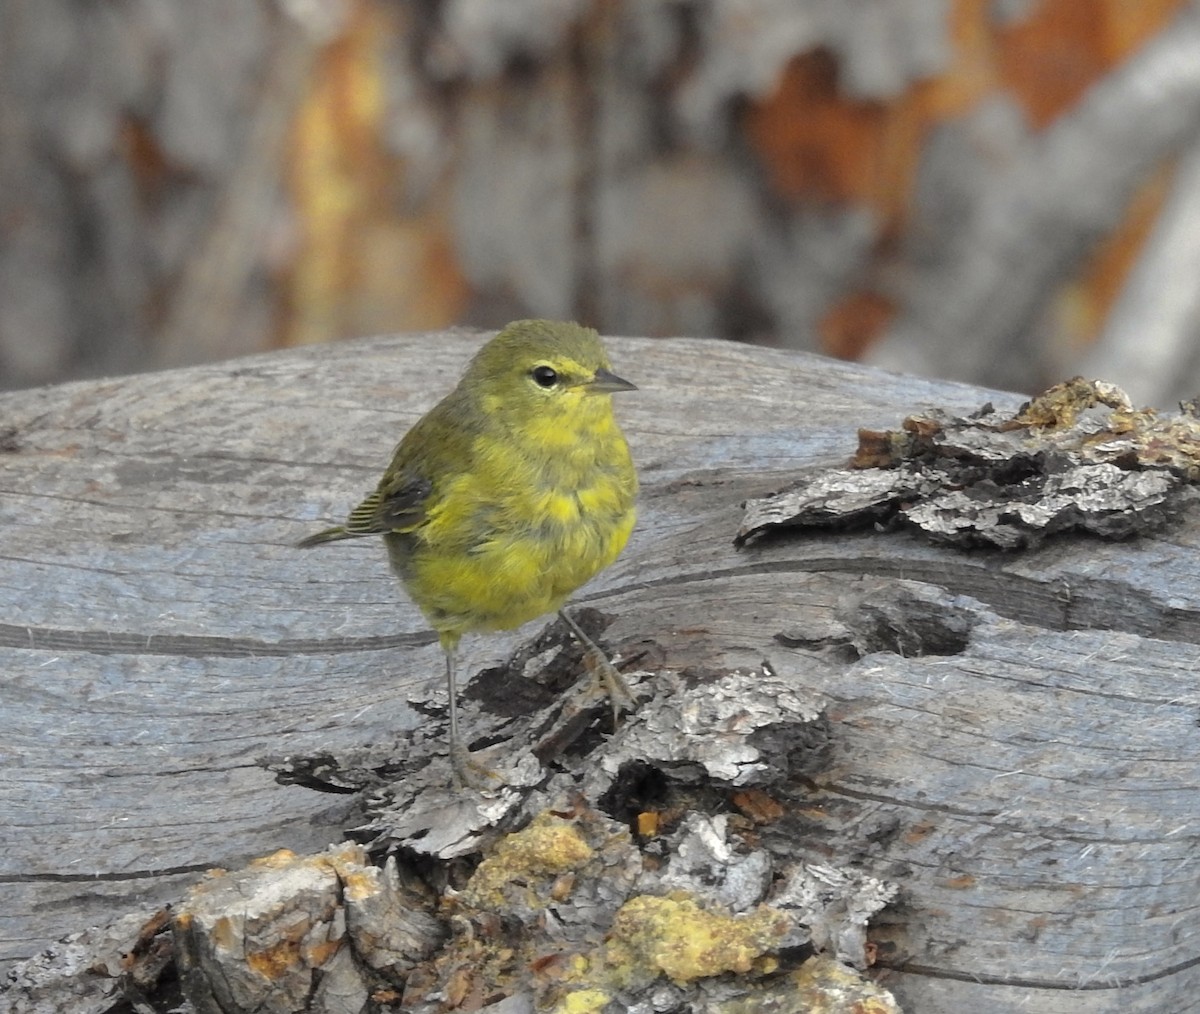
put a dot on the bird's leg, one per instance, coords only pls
(606, 673)
(464, 770)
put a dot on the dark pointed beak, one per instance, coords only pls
(606, 382)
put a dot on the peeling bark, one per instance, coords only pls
(1056, 466)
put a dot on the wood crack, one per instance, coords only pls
(196, 645)
(991, 818)
(1012, 596)
(1116, 982)
(108, 878)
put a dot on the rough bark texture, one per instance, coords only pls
(1009, 739)
(183, 181)
(1078, 457)
(140, 163)
(1026, 222)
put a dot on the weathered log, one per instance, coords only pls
(1010, 739)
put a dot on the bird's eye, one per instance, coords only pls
(544, 376)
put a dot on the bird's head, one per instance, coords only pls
(543, 373)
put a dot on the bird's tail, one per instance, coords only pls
(329, 535)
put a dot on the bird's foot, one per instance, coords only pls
(609, 682)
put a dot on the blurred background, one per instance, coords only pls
(1000, 191)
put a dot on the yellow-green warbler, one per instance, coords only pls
(510, 493)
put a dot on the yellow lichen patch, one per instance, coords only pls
(820, 986)
(583, 1001)
(525, 865)
(1061, 405)
(275, 861)
(675, 936)
(829, 987)
(359, 884)
(275, 961)
(359, 878)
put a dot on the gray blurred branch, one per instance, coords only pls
(989, 264)
(1150, 343)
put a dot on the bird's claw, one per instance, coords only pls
(610, 682)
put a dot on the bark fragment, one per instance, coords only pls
(1077, 458)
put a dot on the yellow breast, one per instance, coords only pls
(537, 514)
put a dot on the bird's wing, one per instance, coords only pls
(396, 506)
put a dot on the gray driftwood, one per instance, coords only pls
(1011, 740)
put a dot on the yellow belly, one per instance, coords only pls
(493, 567)
(532, 513)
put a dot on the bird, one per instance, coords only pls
(509, 494)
